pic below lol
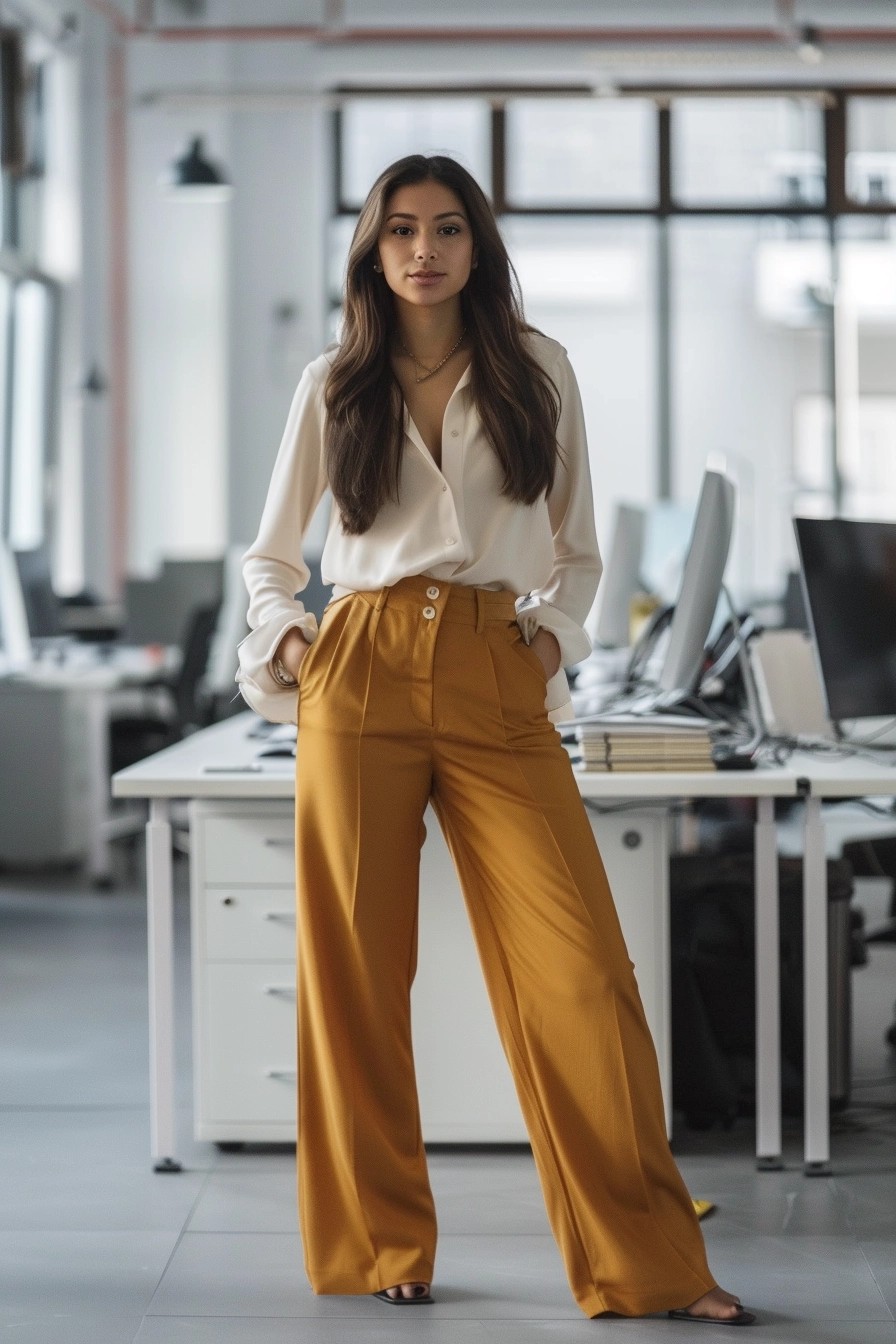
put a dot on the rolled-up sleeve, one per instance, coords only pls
(273, 567)
(562, 604)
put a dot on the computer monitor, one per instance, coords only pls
(621, 578)
(15, 636)
(849, 578)
(701, 585)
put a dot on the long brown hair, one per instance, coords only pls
(517, 402)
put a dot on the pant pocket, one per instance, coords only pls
(525, 654)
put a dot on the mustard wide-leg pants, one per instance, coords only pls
(426, 691)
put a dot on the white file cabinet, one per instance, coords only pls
(244, 1002)
(244, 970)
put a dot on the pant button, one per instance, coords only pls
(429, 612)
(432, 592)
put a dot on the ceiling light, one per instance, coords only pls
(193, 177)
(809, 48)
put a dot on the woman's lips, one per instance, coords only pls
(426, 278)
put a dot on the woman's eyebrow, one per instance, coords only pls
(445, 215)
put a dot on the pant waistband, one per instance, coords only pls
(459, 603)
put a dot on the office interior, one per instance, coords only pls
(700, 202)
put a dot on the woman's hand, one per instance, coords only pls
(291, 651)
(545, 645)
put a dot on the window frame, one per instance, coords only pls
(834, 103)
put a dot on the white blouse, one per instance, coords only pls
(451, 523)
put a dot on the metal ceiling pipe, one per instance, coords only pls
(334, 35)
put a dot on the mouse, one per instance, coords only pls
(277, 749)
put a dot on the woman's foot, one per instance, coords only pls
(716, 1305)
(404, 1293)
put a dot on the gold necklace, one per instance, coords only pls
(418, 363)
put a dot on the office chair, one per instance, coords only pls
(183, 709)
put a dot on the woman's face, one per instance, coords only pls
(425, 245)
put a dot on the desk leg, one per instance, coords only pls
(768, 992)
(99, 864)
(160, 930)
(815, 979)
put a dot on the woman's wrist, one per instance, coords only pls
(546, 645)
(288, 657)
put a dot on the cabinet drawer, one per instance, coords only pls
(247, 1066)
(256, 849)
(247, 923)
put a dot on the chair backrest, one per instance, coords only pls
(192, 710)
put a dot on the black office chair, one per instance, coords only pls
(183, 709)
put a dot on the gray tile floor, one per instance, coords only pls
(96, 1249)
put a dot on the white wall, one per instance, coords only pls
(227, 299)
(179, 323)
(277, 302)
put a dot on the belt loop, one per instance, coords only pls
(480, 611)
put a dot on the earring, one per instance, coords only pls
(377, 266)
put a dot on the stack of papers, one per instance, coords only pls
(648, 742)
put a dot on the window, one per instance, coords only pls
(871, 150)
(578, 152)
(29, 439)
(747, 151)
(718, 305)
(377, 131)
(591, 284)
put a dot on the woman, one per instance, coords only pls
(462, 552)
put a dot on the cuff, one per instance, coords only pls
(558, 701)
(533, 613)
(259, 685)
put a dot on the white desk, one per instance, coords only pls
(54, 739)
(183, 772)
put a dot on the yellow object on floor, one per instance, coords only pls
(702, 1207)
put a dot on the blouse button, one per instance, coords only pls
(449, 541)
(444, 488)
(432, 592)
(454, 433)
(429, 612)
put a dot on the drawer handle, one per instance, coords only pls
(280, 842)
(283, 916)
(288, 1075)
(285, 991)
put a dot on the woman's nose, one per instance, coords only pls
(425, 248)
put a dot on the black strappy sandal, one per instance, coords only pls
(741, 1318)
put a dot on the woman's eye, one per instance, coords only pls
(451, 229)
(402, 230)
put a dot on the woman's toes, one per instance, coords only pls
(716, 1303)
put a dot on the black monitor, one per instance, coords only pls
(849, 578)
